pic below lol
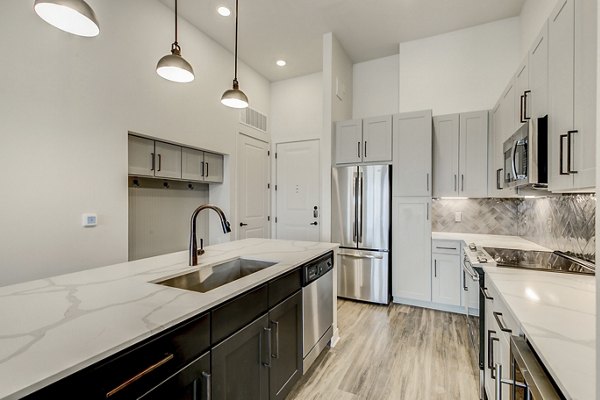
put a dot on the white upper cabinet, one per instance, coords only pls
(473, 154)
(364, 141)
(141, 156)
(445, 155)
(377, 139)
(496, 187)
(522, 93)
(412, 154)
(537, 100)
(508, 108)
(192, 164)
(460, 155)
(168, 160)
(213, 165)
(348, 142)
(571, 93)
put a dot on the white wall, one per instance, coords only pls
(533, 16)
(460, 71)
(67, 104)
(375, 87)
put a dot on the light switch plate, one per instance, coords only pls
(458, 216)
(89, 220)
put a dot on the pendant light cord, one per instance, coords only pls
(236, 41)
(176, 41)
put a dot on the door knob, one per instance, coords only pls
(243, 224)
(314, 223)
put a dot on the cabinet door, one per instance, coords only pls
(377, 139)
(412, 154)
(537, 100)
(473, 154)
(190, 383)
(348, 142)
(561, 92)
(240, 364)
(141, 156)
(584, 140)
(192, 164)
(495, 160)
(213, 164)
(168, 160)
(286, 354)
(411, 247)
(445, 155)
(446, 279)
(521, 93)
(507, 112)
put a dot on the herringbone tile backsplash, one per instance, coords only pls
(565, 223)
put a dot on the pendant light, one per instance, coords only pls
(235, 98)
(173, 67)
(72, 16)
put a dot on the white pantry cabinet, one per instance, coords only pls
(364, 141)
(411, 249)
(412, 140)
(445, 155)
(446, 279)
(572, 98)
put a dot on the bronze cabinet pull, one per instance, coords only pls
(168, 357)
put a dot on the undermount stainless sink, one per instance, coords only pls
(209, 278)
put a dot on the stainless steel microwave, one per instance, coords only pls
(526, 155)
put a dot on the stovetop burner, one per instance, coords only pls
(540, 260)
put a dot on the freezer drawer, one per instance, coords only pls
(363, 275)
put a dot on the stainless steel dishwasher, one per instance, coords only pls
(317, 307)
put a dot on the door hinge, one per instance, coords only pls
(275, 219)
(268, 218)
(268, 186)
(268, 153)
(275, 187)
(275, 155)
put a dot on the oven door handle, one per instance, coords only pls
(469, 270)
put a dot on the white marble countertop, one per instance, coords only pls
(557, 314)
(503, 241)
(54, 327)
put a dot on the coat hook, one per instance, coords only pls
(166, 185)
(136, 183)
(190, 186)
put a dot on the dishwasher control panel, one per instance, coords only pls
(314, 269)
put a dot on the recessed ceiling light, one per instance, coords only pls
(281, 63)
(224, 11)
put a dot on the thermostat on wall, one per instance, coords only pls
(89, 220)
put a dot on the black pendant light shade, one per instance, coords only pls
(234, 97)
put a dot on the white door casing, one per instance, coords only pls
(297, 194)
(252, 188)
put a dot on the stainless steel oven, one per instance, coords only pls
(528, 378)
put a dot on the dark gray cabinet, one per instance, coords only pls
(285, 321)
(240, 363)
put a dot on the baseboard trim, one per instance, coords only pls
(430, 305)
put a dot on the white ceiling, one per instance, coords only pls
(367, 29)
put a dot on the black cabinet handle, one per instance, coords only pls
(465, 288)
(521, 119)
(462, 182)
(525, 97)
(435, 268)
(358, 147)
(202, 167)
(207, 389)
(562, 150)
(569, 158)
(153, 161)
(140, 375)
(268, 363)
(498, 180)
(486, 295)
(159, 162)
(365, 149)
(275, 353)
(206, 168)
(491, 341)
(501, 325)
(243, 224)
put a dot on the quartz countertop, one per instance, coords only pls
(557, 314)
(483, 240)
(54, 327)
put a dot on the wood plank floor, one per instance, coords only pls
(396, 352)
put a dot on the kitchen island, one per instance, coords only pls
(54, 327)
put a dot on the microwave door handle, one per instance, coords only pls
(514, 160)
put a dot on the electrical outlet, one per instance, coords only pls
(458, 216)
(549, 224)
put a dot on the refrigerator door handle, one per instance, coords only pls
(360, 223)
(367, 256)
(355, 191)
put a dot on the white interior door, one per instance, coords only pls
(297, 194)
(252, 188)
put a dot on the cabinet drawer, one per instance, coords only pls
(237, 313)
(281, 288)
(137, 371)
(445, 247)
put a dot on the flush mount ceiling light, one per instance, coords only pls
(224, 11)
(281, 63)
(235, 98)
(173, 67)
(72, 16)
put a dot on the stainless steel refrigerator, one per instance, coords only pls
(361, 208)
